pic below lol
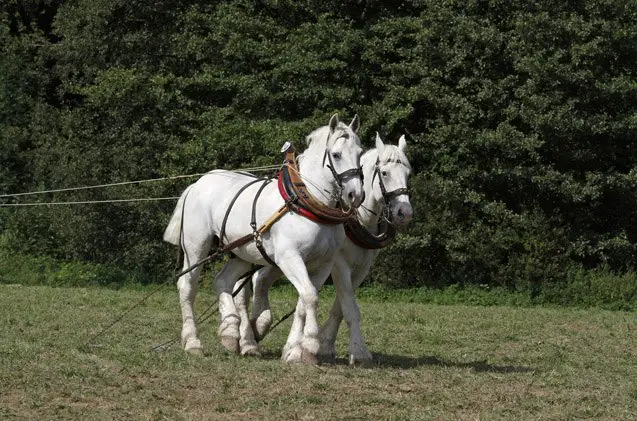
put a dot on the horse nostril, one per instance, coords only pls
(401, 214)
(350, 196)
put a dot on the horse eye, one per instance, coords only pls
(336, 155)
(383, 173)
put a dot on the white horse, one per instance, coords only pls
(386, 170)
(303, 250)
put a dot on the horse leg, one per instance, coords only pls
(292, 351)
(305, 350)
(261, 317)
(345, 306)
(247, 343)
(329, 330)
(229, 317)
(187, 286)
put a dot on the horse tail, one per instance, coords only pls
(172, 233)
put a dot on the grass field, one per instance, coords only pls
(432, 362)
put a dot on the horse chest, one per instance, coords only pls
(357, 257)
(324, 245)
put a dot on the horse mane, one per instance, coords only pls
(390, 153)
(316, 141)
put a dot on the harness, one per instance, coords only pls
(256, 233)
(297, 199)
(386, 231)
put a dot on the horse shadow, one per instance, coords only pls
(481, 366)
(405, 362)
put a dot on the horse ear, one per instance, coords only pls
(402, 143)
(379, 144)
(355, 124)
(333, 123)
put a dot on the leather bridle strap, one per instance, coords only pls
(387, 232)
(388, 196)
(341, 177)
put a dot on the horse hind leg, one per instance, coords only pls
(229, 317)
(247, 342)
(261, 316)
(187, 286)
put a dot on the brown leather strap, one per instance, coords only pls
(365, 239)
(266, 227)
(302, 197)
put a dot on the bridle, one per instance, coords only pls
(388, 195)
(360, 235)
(340, 177)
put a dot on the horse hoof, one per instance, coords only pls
(292, 355)
(193, 347)
(360, 361)
(251, 351)
(261, 325)
(328, 358)
(257, 335)
(231, 344)
(327, 353)
(308, 358)
(198, 352)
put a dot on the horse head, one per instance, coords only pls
(391, 170)
(341, 159)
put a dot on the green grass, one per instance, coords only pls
(432, 362)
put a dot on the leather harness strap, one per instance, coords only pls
(297, 199)
(222, 234)
(256, 234)
(253, 223)
(365, 239)
(300, 200)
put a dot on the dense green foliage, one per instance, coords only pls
(521, 119)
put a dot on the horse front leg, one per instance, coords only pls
(345, 306)
(305, 350)
(229, 317)
(292, 351)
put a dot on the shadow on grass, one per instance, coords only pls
(400, 361)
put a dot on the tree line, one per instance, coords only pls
(521, 120)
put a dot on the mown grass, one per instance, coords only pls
(432, 362)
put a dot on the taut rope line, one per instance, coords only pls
(124, 183)
(84, 202)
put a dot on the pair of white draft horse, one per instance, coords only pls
(304, 251)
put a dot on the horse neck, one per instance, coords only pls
(318, 183)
